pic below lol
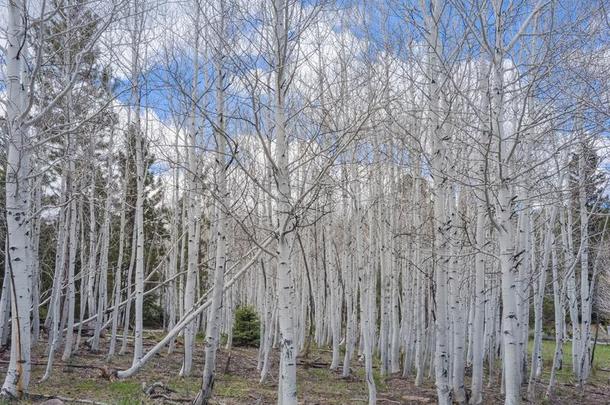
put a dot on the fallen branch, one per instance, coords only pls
(315, 363)
(107, 372)
(150, 390)
(257, 399)
(381, 399)
(171, 399)
(67, 399)
(396, 376)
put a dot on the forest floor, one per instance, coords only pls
(89, 377)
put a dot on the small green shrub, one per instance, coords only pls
(152, 313)
(246, 330)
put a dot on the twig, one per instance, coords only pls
(379, 399)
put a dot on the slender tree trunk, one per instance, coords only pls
(479, 314)
(104, 251)
(536, 367)
(140, 169)
(568, 247)
(478, 332)
(559, 321)
(192, 216)
(118, 275)
(127, 318)
(350, 227)
(5, 307)
(70, 300)
(214, 314)
(287, 388)
(367, 286)
(35, 263)
(54, 304)
(441, 218)
(458, 308)
(586, 301)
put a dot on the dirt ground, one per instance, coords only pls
(89, 377)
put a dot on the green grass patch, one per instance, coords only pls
(565, 375)
(86, 385)
(125, 389)
(379, 379)
(129, 401)
(231, 387)
(186, 385)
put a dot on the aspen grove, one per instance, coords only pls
(412, 189)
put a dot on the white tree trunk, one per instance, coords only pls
(192, 216)
(480, 294)
(559, 322)
(102, 302)
(432, 22)
(127, 317)
(568, 247)
(222, 202)
(17, 195)
(119, 266)
(479, 310)
(287, 387)
(368, 291)
(536, 365)
(140, 179)
(586, 301)
(71, 288)
(54, 304)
